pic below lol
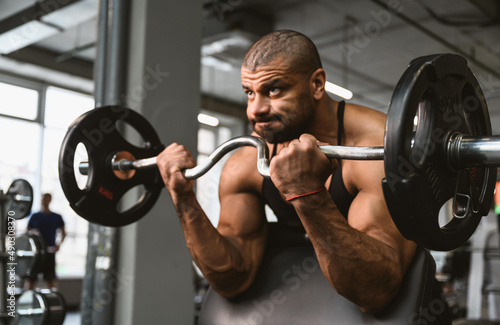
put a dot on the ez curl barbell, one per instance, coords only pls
(121, 163)
(448, 154)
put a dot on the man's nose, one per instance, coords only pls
(258, 106)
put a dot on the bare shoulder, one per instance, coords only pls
(240, 172)
(363, 126)
(368, 212)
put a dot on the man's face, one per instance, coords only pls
(280, 104)
(46, 200)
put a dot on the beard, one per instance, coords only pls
(290, 126)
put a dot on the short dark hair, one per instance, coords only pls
(294, 46)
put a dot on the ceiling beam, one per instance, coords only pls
(34, 12)
(441, 40)
(490, 8)
(48, 59)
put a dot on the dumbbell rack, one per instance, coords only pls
(4, 204)
(45, 305)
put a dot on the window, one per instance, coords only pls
(62, 107)
(18, 101)
(209, 138)
(20, 133)
(207, 187)
(32, 131)
(20, 151)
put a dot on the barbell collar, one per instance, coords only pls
(466, 151)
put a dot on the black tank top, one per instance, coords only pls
(289, 232)
(285, 212)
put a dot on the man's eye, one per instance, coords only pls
(249, 93)
(274, 91)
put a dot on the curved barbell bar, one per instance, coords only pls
(230, 145)
(336, 152)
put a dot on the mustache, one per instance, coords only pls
(265, 119)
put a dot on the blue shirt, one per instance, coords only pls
(47, 224)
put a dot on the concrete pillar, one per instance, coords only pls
(155, 280)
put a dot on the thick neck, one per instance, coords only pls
(325, 124)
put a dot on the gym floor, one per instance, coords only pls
(72, 318)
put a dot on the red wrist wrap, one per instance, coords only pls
(305, 194)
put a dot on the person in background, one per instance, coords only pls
(46, 223)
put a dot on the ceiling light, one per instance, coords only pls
(337, 90)
(209, 61)
(208, 120)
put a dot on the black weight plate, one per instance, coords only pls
(30, 252)
(26, 251)
(442, 91)
(31, 309)
(98, 201)
(56, 307)
(41, 252)
(41, 307)
(21, 194)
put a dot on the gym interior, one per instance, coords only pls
(177, 64)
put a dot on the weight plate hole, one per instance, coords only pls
(131, 198)
(421, 142)
(415, 124)
(472, 109)
(129, 133)
(81, 154)
(446, 213)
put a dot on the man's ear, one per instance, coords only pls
(318, 80)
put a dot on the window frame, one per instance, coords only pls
(41, 88)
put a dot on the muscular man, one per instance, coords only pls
(340, 204)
